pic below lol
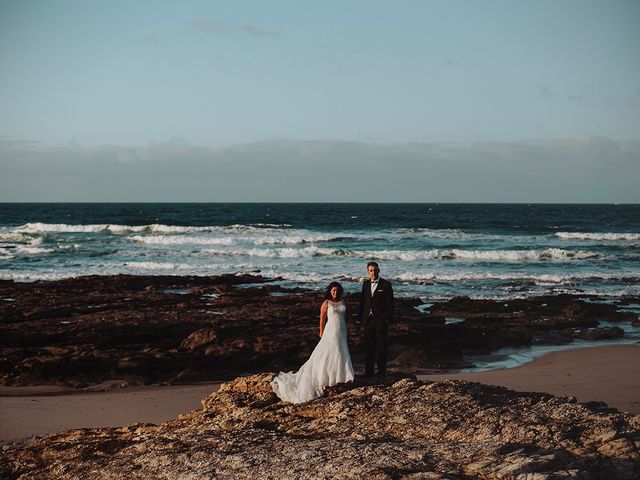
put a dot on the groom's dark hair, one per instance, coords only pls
(328, 291)
(373, 264)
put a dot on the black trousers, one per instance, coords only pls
(375, 339)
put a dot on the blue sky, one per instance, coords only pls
(441, 88)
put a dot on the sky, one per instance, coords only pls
(362, 101)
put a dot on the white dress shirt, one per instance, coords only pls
(374, 285)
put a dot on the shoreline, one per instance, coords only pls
(27, 415)
(591, 374)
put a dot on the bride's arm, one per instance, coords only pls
(323, 316)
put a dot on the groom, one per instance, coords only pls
(376, 313)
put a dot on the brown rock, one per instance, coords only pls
(146, 329)
(600, 333)
(395, 428)
(199, 338)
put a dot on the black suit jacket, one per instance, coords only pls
(381, 303)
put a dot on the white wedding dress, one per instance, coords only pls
(329, 364)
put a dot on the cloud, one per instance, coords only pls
(222, 28)
(576, 169)
(10, 143)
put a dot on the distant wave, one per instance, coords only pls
(598, 236)
(5, 254)
(306, 252)
(265, 233)
(115, 268)
(39, 228)
(515, 256)
(27, 250)
(444, 233)
(183, 240)
(539, 279)
(257, 228)
(158, 266)
(559, 283)
(16, 237)
(430, 278)
(460, 235)
(295, 237)
(13, 242)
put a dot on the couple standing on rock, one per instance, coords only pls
(330, 362)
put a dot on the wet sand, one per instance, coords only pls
(608, 374)
(29, 411)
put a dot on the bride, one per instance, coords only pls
(330, 362)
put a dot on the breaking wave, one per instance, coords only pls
(42, 228)
(516, 256)
(294, 238)
(609, 237)
(539, 279)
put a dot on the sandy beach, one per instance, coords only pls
(29, 411)
(606, 374)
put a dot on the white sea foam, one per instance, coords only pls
(40, 228)
(515, 256)
(113, 269)
(305, 252)
(598, 236)
(294, 239)
(524, 255)
(43, 228)
(271, 225)
(183, 240)
(540, 279)
(63, 246)
(460, 235)
(16, 237)
(27, 250)
(32, 276)
(22, 244)
(177, 229)
(259, 233)
(302, 277)
(445, 233)
(158, 266)
(297, 237)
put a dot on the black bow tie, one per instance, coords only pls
(374, 281)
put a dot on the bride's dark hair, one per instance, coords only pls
(328, 290)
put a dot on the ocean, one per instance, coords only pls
(435, 251)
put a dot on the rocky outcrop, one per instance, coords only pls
(399, 428)
(154, 329)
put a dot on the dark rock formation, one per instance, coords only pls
(152, 329)
(396, 429)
